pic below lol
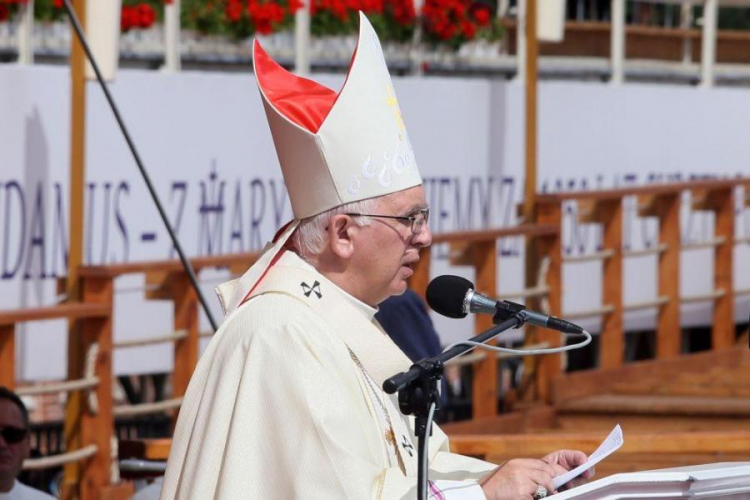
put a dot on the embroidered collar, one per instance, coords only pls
(291, 259)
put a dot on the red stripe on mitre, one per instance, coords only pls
(304, 102)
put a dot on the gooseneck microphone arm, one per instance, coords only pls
(137, 157)
(400, 381)
(455, 297)
(418, 393)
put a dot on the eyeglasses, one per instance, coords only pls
(13, 435)
(418, 221)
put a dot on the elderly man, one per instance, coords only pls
(286, 402)
(14, 448)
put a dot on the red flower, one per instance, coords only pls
(4, 12)
(128, 17)
(58, 4)
(234, 10)
(482, 16)
(146, 15)
(468, 29)
(447, 32)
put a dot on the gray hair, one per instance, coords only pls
(310, 238)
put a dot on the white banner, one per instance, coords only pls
(205, 142)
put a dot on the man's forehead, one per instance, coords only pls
(10, 414)
(409, 199)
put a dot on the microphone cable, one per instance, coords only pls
(527, 352)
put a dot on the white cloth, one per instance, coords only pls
(22, 492)
(279, 408)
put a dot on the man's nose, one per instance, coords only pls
(424, 237)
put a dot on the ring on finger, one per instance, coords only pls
(541, 492)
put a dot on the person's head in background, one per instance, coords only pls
(14, 437)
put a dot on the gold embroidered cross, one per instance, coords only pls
(393, 103)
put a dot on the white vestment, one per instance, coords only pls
(20, 491)
(286, 403)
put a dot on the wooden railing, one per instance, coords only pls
(479, 249)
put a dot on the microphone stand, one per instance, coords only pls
(146, 178)
(418, 387)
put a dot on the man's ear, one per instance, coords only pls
(340, 231)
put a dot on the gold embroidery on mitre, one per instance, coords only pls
(393, 103)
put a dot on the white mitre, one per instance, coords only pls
(333, 148)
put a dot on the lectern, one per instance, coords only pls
(730, 480)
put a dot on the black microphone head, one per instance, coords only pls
(446, 295)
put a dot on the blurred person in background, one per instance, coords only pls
(15, 447)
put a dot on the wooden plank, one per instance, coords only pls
(541, 417)
(97, 426)
(122, 491)
(668, 330)
(484, 388)
(493, 234)
(654, 189)
(145, 449)
(644, 404)
(612, 336)
(244, 260)
(706, 389)
(8, 356)
(663, 442)
(723, 330)
(549, 367)
(574, 422)
(241, 260)
(72, 471)
(185, 303)
(70, 311)
(585, 383)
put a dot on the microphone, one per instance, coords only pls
(455, 297)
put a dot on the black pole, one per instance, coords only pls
(137, 157)
(417, 390)
(423, 436)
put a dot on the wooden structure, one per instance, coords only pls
(592, 39)
(704, 393)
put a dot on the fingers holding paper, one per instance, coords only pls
(519, 479)
(566, 460)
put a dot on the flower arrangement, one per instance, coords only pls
(238, 19)
(8, 8)
(443, 22)
(392, 19)
(454, 22)
(136, 15)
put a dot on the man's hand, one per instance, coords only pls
(567, 460)
(520, 479)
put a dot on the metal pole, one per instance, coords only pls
(302, 39)
(25, 32)
(708, 52)
(617, 42)
(146, 178)
(532, 50)
(521, 36)
(172, 36)
(686, 21)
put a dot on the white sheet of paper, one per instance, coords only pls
(610, 444)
